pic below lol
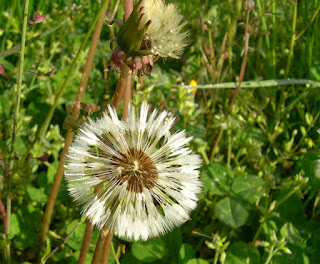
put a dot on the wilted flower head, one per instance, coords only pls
(153, 28)
(147, 178)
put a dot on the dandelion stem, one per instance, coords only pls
(120, 86)
(125, 82)
(85, 243)
(75, 114)
(106, 248)
(16, 112)
(99, 248)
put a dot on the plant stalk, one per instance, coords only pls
(16, 112)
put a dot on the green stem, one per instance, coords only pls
(216, 256)
(269, 256)
(311, 21)
(293, 38)
(16, 112)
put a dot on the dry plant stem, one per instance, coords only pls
(106, 248)
(75, 114)
(16, 112)
(235, 93)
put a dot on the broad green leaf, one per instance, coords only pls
(197, 261)
(249, 188)
(186, 253)
(232, 212)
(149, 251)
(240, 253)
(75, 240)
(269, 226)
(291, 234)
(20, 146)
(217, 178)
(14, 225)
(291, 210)
(36, 194)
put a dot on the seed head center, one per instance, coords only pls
(139, 170)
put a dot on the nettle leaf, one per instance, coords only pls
(249, 188)
(232, 212)
(197, 261)
(217, 178)
(149, 251)
(241, 253)
(186, 253)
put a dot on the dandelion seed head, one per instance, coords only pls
(145, 178)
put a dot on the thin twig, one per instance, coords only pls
(64, 240)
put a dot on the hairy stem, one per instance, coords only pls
(15, 117)
(75, 114)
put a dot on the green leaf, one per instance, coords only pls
(217, 178)
(232, 212)
(172, 240)
(186, 253)
(291, 210)
(196, 131)
(149, 251)
(197, 261)
(75, 240)
(291, 234)
(249, 188)
(36, 194)
(240, 252)
(14, 225)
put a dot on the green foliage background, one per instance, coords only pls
(260, 199)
